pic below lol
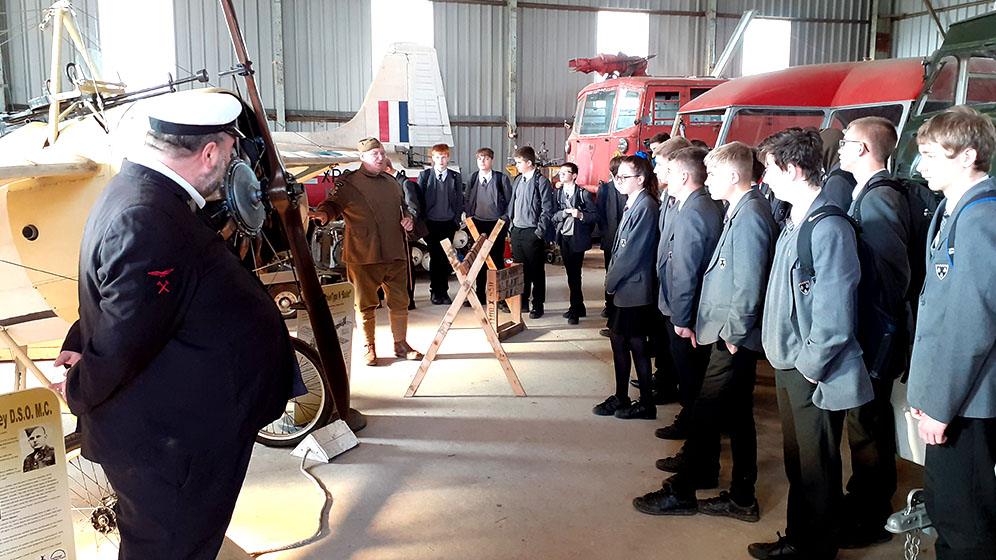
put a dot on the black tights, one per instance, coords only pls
(622, 346)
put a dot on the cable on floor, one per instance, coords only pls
(322, 529)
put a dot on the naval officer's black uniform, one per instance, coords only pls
(185, 358)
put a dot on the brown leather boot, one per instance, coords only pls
(405, 352)
(370, 355)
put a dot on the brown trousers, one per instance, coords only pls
(366, 279)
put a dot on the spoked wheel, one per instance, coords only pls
(305, 413)
(92, 503)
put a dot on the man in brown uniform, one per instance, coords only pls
(372, 203)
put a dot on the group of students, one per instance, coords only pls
(534, 214)
(710, 270)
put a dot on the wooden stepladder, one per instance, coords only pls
(467, 272)
(503, 285)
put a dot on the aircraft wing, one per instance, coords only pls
(305, 162)
(69, 167)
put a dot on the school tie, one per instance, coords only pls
(440, 177)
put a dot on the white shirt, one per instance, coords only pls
(156, 165)
(528, 175)
(485, 178)
(632, 198)
(441, 175)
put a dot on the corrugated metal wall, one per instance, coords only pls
(918, 36)
(327, 65)
(328, 68)
(27, 49)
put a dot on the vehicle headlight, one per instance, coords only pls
(623, 145)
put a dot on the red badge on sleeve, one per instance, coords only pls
(164, 282)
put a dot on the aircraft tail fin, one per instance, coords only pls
(405, 106)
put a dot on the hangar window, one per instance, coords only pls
(122, 27)
(622, 32)
(766, 46)
(399, 21)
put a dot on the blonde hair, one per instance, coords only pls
(958, 129)
(667, 148)
(737, 156)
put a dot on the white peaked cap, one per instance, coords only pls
(195, 112)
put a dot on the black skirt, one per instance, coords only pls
(633, 321)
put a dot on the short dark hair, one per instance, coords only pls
(801, 147)
(699, 143)
(486, 152)
(27, 431)
(879, 133)
(573, 167)
(692, 160)
(527, 153)
(659, 137)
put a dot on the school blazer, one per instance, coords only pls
(686, 245)
(585, 202)
(630, 275)
(822, 316)
(953, 370)
(736, 278)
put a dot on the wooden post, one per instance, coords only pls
(467, 275)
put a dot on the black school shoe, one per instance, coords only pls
(638, 410)
(778, 550)
(674, 431)
(724, 506)
(609, 406)
(537, 312)
(672, 464)
(665, 502)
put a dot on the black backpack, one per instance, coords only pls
(881, 332)
(922, 203)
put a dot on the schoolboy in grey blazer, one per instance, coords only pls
(691, 230)
(729, 319)
(952, 383)
(808, 335)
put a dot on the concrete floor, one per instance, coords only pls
(467, 470)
